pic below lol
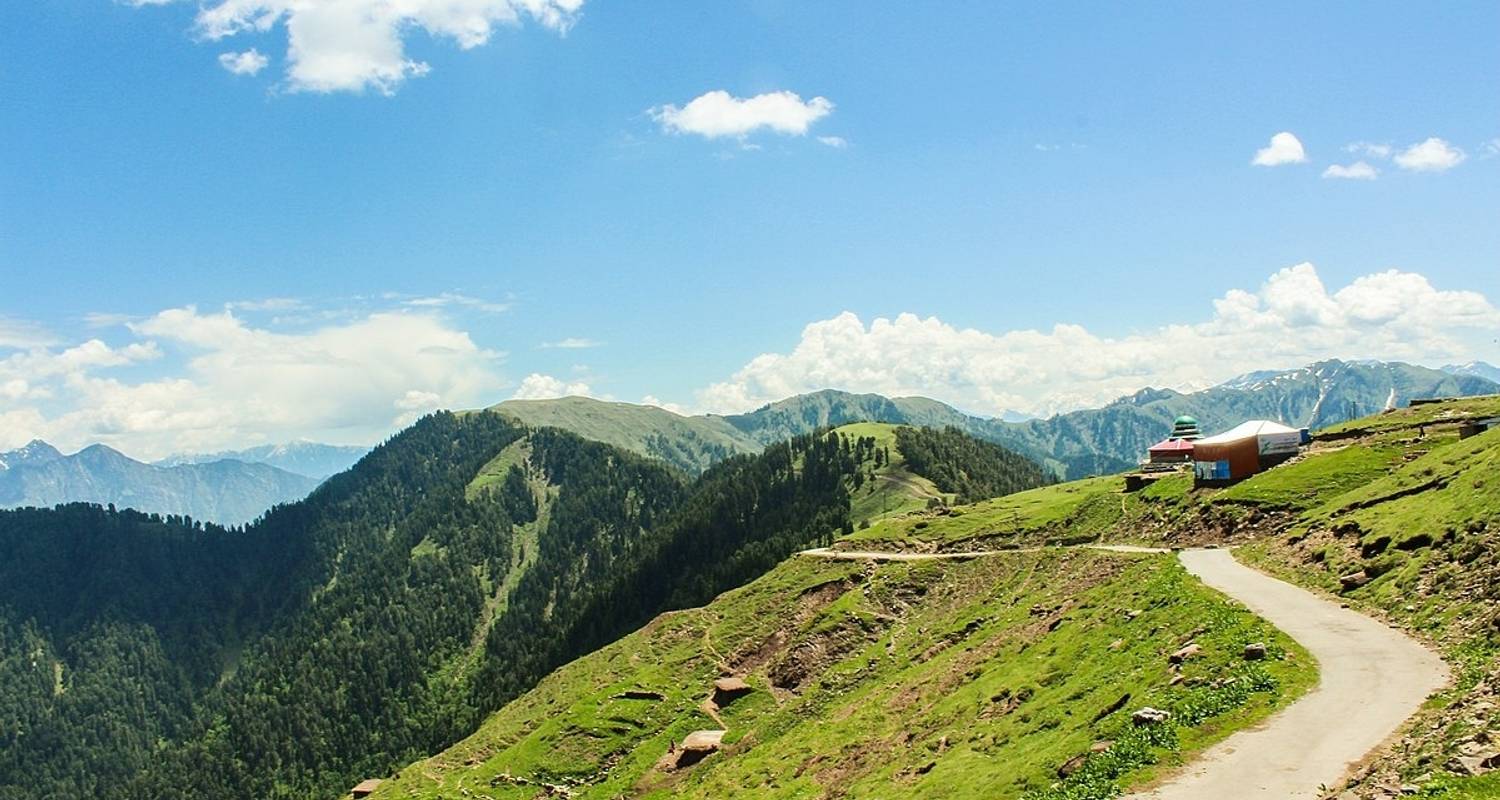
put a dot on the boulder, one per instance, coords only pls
(1255, 651)
(1354, 580)
(697, 746)
(727, 690)
(1149, 716)
(1072, 765)
(1186, 653)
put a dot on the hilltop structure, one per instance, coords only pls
(1178, 447)
(1243, 451)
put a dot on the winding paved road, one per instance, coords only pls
(1372, 678)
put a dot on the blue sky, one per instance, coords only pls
(1002, 169)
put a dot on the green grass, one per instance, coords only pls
(1074, 510)
(690, 443)
(895, 489)
(516, 454)
(1452, 787)
(1424, 532)
(927, 679)
(1315, 478)
(1426, 414)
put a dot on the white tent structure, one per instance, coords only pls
(1244, 450)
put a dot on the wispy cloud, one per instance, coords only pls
(455, 299)
(1359, 170)
(1370, 149)
(20, 333)
(249, 62)
(572, 343)
(267, 304)
(836, 142)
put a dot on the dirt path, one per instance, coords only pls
(1372, 678)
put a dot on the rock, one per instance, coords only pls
(639, 694)
(1255, 652)
(1072, 765)
(1189, 652)
(1149, 716)
(1354, 580)
(1475, 764)
(1112, 707)
(1101, 747)
(697, 746)
(727, 690)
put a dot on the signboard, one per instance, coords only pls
(1211, 470)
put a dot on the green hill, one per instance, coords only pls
(691, 444)
(386, 615)
(985, 676)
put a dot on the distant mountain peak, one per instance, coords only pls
(1475, 369)
(35, 451)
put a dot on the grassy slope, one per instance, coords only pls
(931, 679)
(689, 443)
(896, 489)
(1415, 508)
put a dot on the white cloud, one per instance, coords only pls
(249, 62)
(211, 381)
(18, 333)
(716, 114)
(1283, 149)
(537, 386)
(1431, 155)
(1371, 149)
(354, 45)
(653, 400)
(267, 304)
(572, 343)
(1359, 170)
(455, 299)
(1292, 319)
(1491, 148)
(836, 142)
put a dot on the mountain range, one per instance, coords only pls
(312, 459)
(225, 491)
(233, 487)
(1075, 444)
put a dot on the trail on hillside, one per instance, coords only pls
(1372, 678)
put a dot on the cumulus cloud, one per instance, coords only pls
(716, 114)
(1431, 155)
(191, 380)
(354, 45)
(537, 386)
(1291, 319)
(1283, 149)
(249, 62)
(1359, 170)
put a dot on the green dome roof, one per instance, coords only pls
(1185, 420)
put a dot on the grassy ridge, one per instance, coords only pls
(931, 679)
